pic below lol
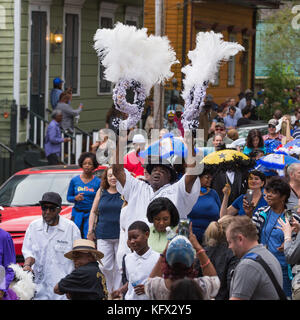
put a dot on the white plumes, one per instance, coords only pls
(128, 53)
(211, 50)
(24, 287)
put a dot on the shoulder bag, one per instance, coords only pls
(259, 259)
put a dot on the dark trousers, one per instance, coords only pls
(53, 159)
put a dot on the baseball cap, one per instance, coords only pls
(57, 81)
(273, 122)
(138, 138)
(51, 197)
(180, 250)
(220, 124)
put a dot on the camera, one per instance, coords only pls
(289, 216)
(249, 196)
(183, 227)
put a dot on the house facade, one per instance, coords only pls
(44, 39)
(236, 20)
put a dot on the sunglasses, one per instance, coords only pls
(219, 129)
(50, 208)
(271, 126)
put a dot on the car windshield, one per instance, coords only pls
(27, 190)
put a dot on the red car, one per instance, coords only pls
(21, 193)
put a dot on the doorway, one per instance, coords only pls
(38, 70)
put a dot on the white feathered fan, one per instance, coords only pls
(23, 284)
(133, 60)
(211, 50)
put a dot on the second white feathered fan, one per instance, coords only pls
(211, 50)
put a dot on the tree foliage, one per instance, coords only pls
(280, 41)
(281, 78)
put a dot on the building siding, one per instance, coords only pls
(224, 14)
(6, 67)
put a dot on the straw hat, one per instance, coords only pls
(85, 246)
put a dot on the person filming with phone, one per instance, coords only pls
(291, 227)
(266, 219)
(246, 204)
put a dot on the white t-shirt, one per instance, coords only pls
(48, 246)
(139, 194)
(122, 248)
(138, 269)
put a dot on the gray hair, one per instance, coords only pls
(56, 113)
(291, 168)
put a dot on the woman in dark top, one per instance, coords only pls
(221, 256)
(109, 203)
(207, 207)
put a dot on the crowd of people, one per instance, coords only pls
(127, 238)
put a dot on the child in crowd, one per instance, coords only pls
(138, 264)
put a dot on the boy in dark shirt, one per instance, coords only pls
(86, 282)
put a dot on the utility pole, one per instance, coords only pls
(158, 98)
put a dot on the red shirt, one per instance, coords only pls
(179, 124)
(134, 164)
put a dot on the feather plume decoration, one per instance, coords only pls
(132, 60)
(128, 53)
(23, 285)
(211, 50)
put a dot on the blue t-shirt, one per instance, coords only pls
(89, 191)
(272, 236)
(248, 150)
(238, 204)
(205, 210)
(108, 226)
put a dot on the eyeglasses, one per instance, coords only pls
(50, 208)
(219, 129)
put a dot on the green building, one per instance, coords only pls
(44, 39)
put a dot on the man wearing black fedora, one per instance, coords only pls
(46, 241)
(162, 183)
(86, 282)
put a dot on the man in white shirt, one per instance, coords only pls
(183, 193)
(46, 241)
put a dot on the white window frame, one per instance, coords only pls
(231, 64)
(107, 10)
(133, 13)
(72, 9)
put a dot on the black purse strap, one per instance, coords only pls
(261, 261)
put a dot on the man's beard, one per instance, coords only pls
(52, 221)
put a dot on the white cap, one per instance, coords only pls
(138, 138)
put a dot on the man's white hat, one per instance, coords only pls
(138, 138)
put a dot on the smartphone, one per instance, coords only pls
(249, 196)
(289, 216)
(184, 227)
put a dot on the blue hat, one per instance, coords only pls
(57, 81)
(180, 250)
